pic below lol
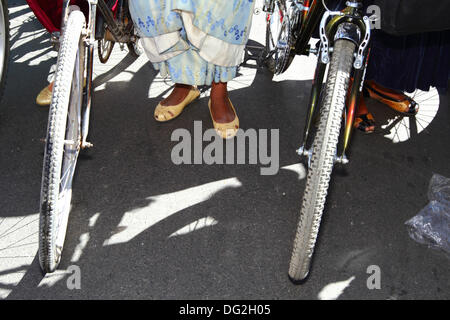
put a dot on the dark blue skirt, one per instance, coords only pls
(410, 62)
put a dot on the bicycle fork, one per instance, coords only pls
(314, 101)
(341, 30)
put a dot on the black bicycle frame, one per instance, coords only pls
(307, 28)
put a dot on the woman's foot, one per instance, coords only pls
(44, 97)
(173, 105)
(223, 114)
(221, 108)
(365, 123)
(395, 100)
(364, 120)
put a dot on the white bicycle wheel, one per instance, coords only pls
(62, 144)
(322, 160)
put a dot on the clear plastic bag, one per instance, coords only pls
(439, 189)
(432, 225)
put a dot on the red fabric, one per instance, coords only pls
(48, 12)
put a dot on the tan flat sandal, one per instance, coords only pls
(226, 130)
(166, 113)
(44, 97)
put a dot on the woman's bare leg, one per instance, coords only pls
(221, 109)
(177, 95)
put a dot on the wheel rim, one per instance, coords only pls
(279, 36)
(105, 49)
(400, 128)
(70, 155)
(275, 21)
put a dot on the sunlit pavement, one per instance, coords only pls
(142, 227)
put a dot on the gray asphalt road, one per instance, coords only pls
(142, 227)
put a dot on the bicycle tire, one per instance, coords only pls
(322, 160)
(4, 45)
(63, 124)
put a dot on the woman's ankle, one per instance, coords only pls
(219, 90)
(183, 86)
(220, 104)
(178, 94)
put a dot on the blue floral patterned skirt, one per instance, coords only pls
(195, 42)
